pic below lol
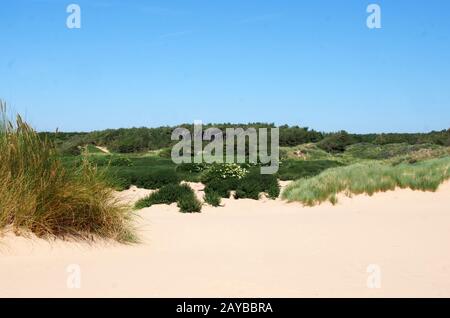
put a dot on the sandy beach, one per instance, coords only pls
(251, 249)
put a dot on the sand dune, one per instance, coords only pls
(252, 249)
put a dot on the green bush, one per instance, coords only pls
(296, 169)
(147, 179)
(212, 198)
(156, 179)
(182, 194)
(222, 187)
(120, 183)
(191, 167)
(248, 188)
(224, 171)
(121, 162)
(336, 142)
(271, 186)
(254, 183)
(189, 204)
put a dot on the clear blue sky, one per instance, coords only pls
(151, 63)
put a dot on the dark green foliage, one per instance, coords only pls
(222, 187)
(254, 183)
(120, 183)
(189, 204)
(273, 191)
(121, 162)
(295, 135)
(336, 142)
(182, 194)
(271, 186)
(168, 194)
(143, 139)
(248, 188)
(147, 171)
(191, 167)
(147, 178)
(296, 169)
(212, 198)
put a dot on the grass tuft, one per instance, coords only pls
(39, 195)
(212, 198)
(368, 178)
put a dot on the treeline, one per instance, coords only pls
(129, 140)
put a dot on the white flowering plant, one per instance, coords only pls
(224, 171)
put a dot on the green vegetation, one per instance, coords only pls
(254, 184)
(221, 187)
(224, 171)
(381, 152)
(138, 140)
(189, 204)
(183, 195)
(93, 149)
(40, 195)
(250, 185)
(141, 157)
(152, 171)
(212, 198)
(336, 142)
(295, 169)
(368, 178)
(146, 178)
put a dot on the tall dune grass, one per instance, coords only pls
(38, 194)
(368, 178)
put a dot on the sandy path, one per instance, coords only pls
(250, 248)
(104, 149)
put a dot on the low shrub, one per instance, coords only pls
(120, 183)
(212, 198)
(191, 167)
(336, 142)
(171, 193)
(224, 171)
(248, 188)
(254, 183)
(121, 162)
(189, 204)
(296, 169)
(222, 187)
(271, 186)
(147, 179)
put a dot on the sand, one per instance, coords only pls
(251, 249)
(103, 149)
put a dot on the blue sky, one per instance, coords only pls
(151, 63)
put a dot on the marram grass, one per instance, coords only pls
(368, 178)
(38, 194)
